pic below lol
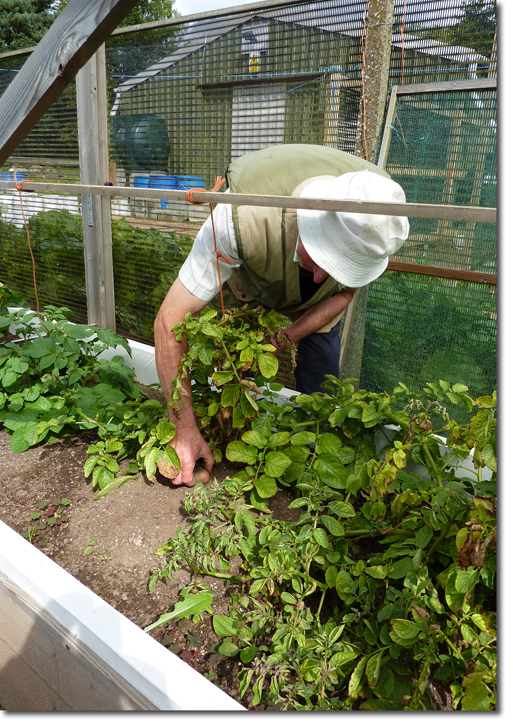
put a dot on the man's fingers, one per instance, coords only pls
(199, 475)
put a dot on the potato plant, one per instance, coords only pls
(381, 595)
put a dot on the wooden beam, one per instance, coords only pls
(472, 84)
(73, 38)
(424, 211)
(461, 274)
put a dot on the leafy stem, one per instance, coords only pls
(431, 464)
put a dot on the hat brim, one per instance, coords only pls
(345, 271)
(353, 248)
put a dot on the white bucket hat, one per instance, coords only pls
(354, 248)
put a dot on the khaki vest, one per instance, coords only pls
(267, 236)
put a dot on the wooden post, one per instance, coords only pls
(94, 169)
(378, 43)
(72, 39)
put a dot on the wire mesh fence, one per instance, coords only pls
(187, 98)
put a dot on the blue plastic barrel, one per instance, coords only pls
(142, 182)
(163, 181)
(10, 177)
(190, 182)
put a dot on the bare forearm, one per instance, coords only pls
(169, 352)
(319, 315)
(187, 442)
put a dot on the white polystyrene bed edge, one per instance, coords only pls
(155, 672)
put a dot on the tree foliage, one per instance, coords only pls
(144, 12)
(477, 27)
(24, 22)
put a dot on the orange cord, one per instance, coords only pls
(189, 196)
(20, 189)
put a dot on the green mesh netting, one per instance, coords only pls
(443, 150)
(186, 99)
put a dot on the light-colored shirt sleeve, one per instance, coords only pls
(199, 271)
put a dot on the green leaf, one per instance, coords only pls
(19, 366)
(328, 443)
(265, 486)
(288, 598)
(303, 438)
(113, 445)
(490, 457)
(477, 697)
(423, 537)
(331, 471)
(40, 348)
(224, 626)
(103, 477)
(321, 538)
(165, 432)
(150, 463)
(192, 604)
(239, 451)
(47, 361)
(276, 463)
(115, 483)
(376, 572)
(230, 395)
(466, 580)
(249, 404)
(468, 634)
(342, 509)
(23, 437)
(221, 377)
(355, 682)
(340, 659)
(278, 439)
(401, 568)
(112, 465)
(268, 364)
(331, 576)
(239, 419)
(9, 378)
(453, 597)
(248, 653)
(373, 667)
(332, 525)
(344, 582)
(228, 649)
(211, 331)
(254, 438)
(404, 632)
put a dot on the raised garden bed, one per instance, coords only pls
(383, 552)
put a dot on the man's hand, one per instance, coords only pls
(190, 447)
(314, 318)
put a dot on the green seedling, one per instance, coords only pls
(93, 548)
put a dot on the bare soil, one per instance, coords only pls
(128, 525)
